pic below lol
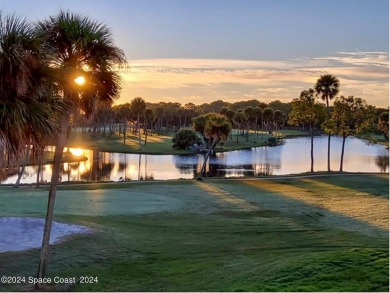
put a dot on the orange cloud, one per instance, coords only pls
(363, 74)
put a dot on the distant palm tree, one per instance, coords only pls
(123, 113)
(327, 87)
(268, 116)
(257, 113)
(150, 116)
(230, 114)
(138, 106)
(248, 111)
(279, 119)
(240, 119)
(160, 115)
(76, 45)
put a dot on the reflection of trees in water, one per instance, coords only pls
(145, 177)
(264, 169)
(100, 169)
(186, 164)
(382, 162)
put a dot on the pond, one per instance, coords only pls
(289, 158)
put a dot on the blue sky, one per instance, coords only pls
(180, 42)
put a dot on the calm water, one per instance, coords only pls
(291, 157)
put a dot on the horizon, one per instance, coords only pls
(185, 51)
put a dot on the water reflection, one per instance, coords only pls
(289, 158)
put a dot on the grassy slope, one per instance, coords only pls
(226, 235)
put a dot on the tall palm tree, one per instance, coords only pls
(327, 87)
(28, 110)
(306, 111)
(76, 45)
(138, 106)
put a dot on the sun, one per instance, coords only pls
(80, 80)
(76, 152)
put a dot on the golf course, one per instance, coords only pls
(304, 233)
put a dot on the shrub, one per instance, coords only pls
(184, 138)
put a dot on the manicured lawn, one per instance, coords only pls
(307, 234)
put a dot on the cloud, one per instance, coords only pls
(363, 74)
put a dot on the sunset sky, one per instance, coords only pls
(200, 51)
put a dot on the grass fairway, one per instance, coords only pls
(156, 144)
(325, 233)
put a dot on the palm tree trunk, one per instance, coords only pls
(342, 154)
(311, 150)
(256, 133)
(328, 152)
(39, 168)
(124, 131)
(205, 160)
(139, 132)
(21, 171)
(146, 131)
(52, 195)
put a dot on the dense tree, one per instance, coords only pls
(350, 116)
(383, 124)
(76, 45)
(282, 107)
(306, 111)
(184, 138)
(327, 87)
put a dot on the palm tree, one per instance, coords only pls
(138, 106)
(306, 111)
(268, 116)
(76, 46)
(216, 128)
(179, 112)
(123, 112)
(160, 115)
(230, 114)
(149, 118)
(28, 110)
(279, 119)
(327, 87)
(258, 113)
(248, 111)
(240, 119)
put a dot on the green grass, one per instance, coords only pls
(156, 144)
(215, 235)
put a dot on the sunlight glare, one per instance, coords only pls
(80, 80)
(77, 152)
